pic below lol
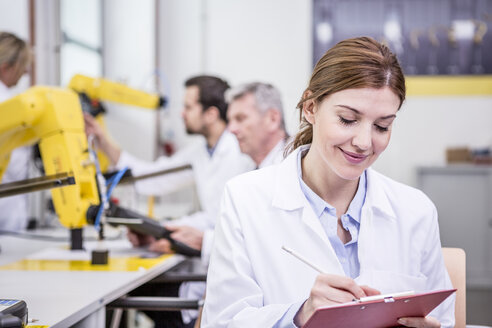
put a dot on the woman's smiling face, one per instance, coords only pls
(351, 128)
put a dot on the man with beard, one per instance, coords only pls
(215, 159)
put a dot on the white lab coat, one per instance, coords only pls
(210, 173)
(252, 282)
(275, 156)
(14, 209)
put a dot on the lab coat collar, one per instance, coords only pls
(224, 142)
(288, 194)
(273, 155)
(376, 196)
(287, 191)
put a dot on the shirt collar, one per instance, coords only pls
(287, 193)
(211, 150)
(319, 205)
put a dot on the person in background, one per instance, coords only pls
(367, 233)
(215, 158)
(256, 118)
(15, 57)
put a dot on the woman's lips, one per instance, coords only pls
(353, 158)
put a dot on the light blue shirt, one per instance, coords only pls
(347, 253)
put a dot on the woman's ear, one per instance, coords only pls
(308, 107)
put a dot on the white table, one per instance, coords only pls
(68, 298)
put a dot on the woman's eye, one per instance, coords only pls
(345, 121)
(381, 128)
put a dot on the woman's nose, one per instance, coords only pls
(363, 138)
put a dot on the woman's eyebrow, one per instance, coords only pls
(387, 117)
(348, 107)
(358, 112)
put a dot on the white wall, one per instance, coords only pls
(261, 40)
(14, 18)
(426, 126)
(129, 58)
(241, 41)
(180, 56)
(48, 41)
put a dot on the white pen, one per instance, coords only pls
(362, 299)
(300, 257)
(383, 296)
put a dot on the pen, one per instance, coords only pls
(362, 299)
(384, 296)
(301, 258)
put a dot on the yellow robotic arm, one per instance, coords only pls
(93, 90)
(102, 89)
(53, 117)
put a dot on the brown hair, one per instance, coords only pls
(353, 63)
(212, 92)
(14, 51)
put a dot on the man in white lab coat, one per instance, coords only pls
(256, 119)
(214, 159)
(15, 56)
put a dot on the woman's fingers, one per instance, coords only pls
(331, 289)
(419, 322)
(370, 291)
(342, 283)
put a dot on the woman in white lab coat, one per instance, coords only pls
(15, 56)
(366, 233)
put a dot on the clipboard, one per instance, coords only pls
(383, 312)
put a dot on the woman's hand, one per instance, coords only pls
(331, 289)
(418, 322)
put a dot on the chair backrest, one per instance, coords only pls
(455, 260)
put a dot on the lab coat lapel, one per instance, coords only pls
(222, 145)
(289, 196)
(376, 196)
(377, 218)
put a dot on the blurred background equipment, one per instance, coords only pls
(53, 117)
(443, 37)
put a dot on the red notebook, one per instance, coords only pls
(377, 313)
